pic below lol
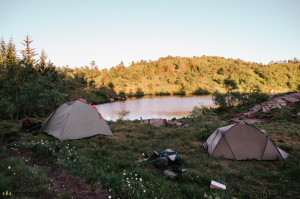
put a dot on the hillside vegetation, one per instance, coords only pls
(32, 86)
(197, 75)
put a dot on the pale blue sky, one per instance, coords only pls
(76, 32)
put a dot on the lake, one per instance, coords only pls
(166, 107)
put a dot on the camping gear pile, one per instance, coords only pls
(166, 159)
(28, 126)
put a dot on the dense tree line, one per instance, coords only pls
(31, 86)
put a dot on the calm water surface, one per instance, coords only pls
(154, 107)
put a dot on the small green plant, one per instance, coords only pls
(286, 148)
(294, 173)
(122, 114)
(11, 136)
(41, 151)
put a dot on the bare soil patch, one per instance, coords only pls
(63, 183)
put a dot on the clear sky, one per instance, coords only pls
(75, 32)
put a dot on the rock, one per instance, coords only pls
(274, 102)
(159, 122)
(292, 98)
(254, 109)
(271, 104)
(177, 123)
(298, 114)
(248, 121)
(174, 122)
(154, 122)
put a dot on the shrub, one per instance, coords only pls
(256, 98)
(179, 92)
(204, 120)
(122, 94)
(41, 151)
(123, 114)
(219, 99)
(201, 91)
(162, 93)
(286, 148)
(10, 136)
(139, 92)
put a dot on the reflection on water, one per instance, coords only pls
(154, 107)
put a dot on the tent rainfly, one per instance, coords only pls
(242, 141)
(75, 120)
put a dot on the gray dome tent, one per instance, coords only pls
(241, 142)
(75, 120)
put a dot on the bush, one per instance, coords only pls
(219, 99)
(256, 98)
(7, 108)
(286, 148)
(201, 91)
(122, 94)
(179, 93)
(204, 121)
(162, 93)
(10, 136)
(139, 92)
(123, 114)
(41, 151)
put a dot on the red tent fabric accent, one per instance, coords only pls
(94, 107)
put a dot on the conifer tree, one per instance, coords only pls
(11, 55)
(42, 62)
(29, 52)
(3, 51)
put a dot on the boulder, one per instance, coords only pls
(154, 122)
(159, 122)
(273, 103)
(292, 98)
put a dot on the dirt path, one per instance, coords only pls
(62, 182)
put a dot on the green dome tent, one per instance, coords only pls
(75, 120)
(241, 142)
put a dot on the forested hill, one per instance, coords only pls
(181, 75)
(32, 85)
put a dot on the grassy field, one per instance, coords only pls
(109, 163)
